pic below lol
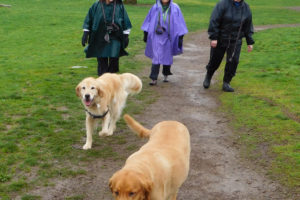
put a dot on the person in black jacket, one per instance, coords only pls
(231, 20)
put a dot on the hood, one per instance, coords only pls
(158, 2)
(242, 1)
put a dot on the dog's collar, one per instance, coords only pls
(97, 116)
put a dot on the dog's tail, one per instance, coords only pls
(136, 127)
(131, 83)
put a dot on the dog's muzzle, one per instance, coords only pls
(87, 100)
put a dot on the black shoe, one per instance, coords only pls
(154, 82)
(227, 87)
(206, 82)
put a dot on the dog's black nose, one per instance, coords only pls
(87, 96)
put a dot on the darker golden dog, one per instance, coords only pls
(159, 168)
(104, 98)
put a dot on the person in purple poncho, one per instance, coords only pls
(164, 28)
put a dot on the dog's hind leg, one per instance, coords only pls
(89, 124)
(112, 126)
(106, 123)
(117, 114)
(112, 123)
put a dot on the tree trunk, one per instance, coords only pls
(130, 2)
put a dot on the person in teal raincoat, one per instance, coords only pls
(106, 29)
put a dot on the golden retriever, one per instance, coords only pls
(104, 98)
(159, 168)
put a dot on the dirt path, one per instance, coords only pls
(217, 171)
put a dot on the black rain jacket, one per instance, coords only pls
(226, 19)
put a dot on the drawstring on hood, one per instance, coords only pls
(166, 15)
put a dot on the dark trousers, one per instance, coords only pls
(216, 57)
(107, 65)
(155, 71)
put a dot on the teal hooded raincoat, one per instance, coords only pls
(95, 23)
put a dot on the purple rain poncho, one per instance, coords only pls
(161, 48)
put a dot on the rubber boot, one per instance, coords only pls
(206, 82)
(227, 88)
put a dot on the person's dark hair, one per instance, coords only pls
(118, 1)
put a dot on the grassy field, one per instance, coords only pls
(41, 117)
(266, 106)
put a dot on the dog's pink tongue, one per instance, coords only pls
(87, 103)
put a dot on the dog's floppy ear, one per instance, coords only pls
(100, 91)
(111, 184)
(147, 186)
(78, 90)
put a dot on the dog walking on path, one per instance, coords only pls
(104, 98)
(159, 168)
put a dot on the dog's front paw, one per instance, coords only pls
(110, 132)
(87, 146)
(105, 133)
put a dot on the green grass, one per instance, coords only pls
(75, 198)
(266, 106)
(41, 117)
(30, 197)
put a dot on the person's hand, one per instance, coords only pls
(84, 38)
(180, 41)
(145, 36)
(126, 40)
(214, 43)
(250, 48)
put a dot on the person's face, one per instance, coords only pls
(237, 0)
(165, 2)
(109, 1)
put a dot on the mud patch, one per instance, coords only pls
(297, 8)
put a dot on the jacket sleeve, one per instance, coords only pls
(88, 21)
(147, 21)
(249, 31)
(182, 28)
(215, 21)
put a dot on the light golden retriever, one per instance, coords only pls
(159, 168)
(104, 98)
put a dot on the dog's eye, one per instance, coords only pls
(131, 194)
(116, 193)
(93, 88)
(83, 88)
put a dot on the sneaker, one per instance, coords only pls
(206, 82)
(227, 87)
(154, 82)
(165, 79)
